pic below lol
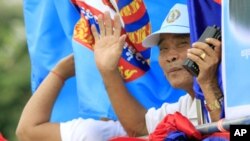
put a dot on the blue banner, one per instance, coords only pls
(49, 29)
(202, 14)
(236, 52)
(144, 82)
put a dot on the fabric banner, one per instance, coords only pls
(49, 27)
(203, 13)
(138, 76)
(176, 127)
(236, 61)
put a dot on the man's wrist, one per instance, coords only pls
(215, 105)
(58, 75)
(212, 93)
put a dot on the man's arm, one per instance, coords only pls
(34, 123)
(108, 48)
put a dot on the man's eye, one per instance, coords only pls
(183, 44)
(163, 48)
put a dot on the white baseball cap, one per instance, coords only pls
(176, 22)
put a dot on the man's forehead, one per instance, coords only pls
(163, 35)
(166, 37)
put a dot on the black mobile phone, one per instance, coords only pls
(210, 32)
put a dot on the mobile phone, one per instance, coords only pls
(209, 32)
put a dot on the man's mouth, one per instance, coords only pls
(174, 69)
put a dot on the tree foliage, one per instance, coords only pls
(14, 67)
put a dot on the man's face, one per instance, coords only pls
(173, 52)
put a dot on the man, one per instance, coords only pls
(174, 44)
(34, 123)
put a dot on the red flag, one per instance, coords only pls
(218, 1)
(171, 123)
(177, 123)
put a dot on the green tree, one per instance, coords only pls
(14, 67)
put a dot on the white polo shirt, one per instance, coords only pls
(96, 130)
(185, 105)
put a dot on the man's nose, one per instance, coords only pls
(172, 55)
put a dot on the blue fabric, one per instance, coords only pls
(123, 3)
(181, 136)
(149, 89)
(49, 25)
(49, 28)
(212, 138)
(95, 103)
(176, 136)
(203, 13)
(139, 24)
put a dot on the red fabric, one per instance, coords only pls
(176, 122)
(2, 138)
(108, 3)
(73, 1)
(171, 123)
(218, 1)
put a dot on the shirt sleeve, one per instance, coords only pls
(155, 116)
(90, 130)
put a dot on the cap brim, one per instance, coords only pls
(153, 39)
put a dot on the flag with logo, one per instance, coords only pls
(136, 72)
(49, 29)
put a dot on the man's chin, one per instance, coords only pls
(175, 84)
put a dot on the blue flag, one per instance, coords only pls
(203, 13)
(142, 81)
(49, 29)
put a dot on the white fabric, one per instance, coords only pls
(96, 130)
(176, 22)
(90, 130)
(185, 105)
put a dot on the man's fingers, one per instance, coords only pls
(117, 25)
(195, 55)
(213, 41)
(95, 32)
(217, 45)
(196, 51)
(108, 23)
(122, 40)
(101, 25)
